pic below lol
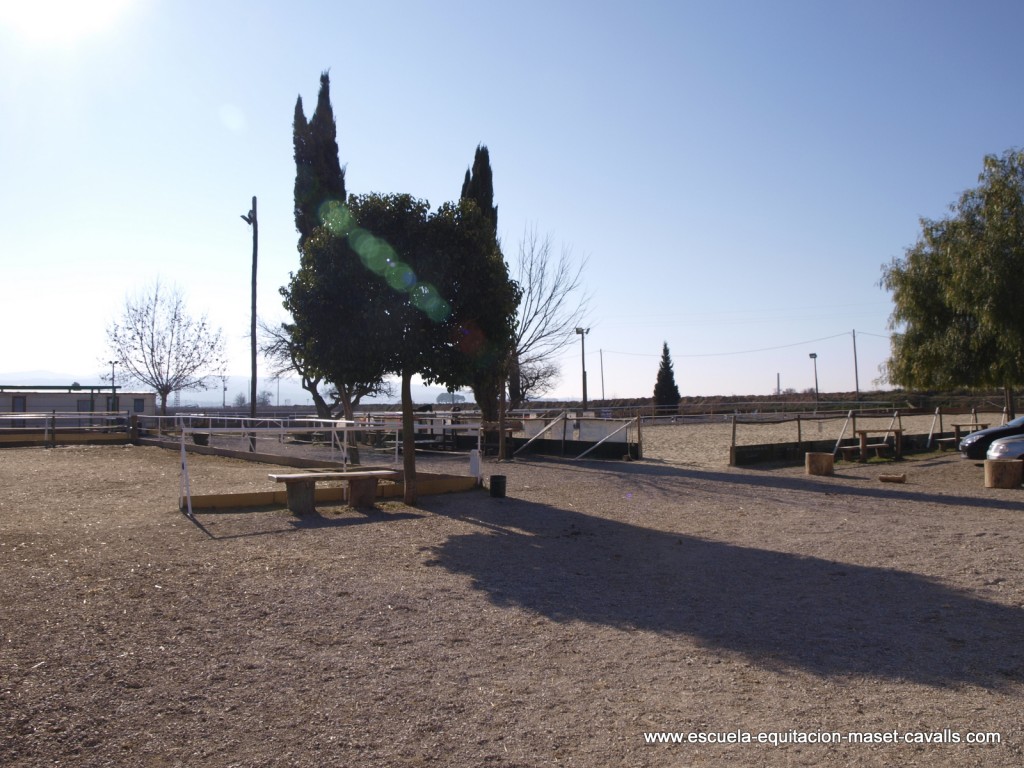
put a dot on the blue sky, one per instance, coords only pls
(735, 173)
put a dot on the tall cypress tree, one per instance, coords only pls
(303, 171)
(319, 177)
(479, 186)
(666, 393)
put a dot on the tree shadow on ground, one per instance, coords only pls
(780, 610)
(343, 515)
(339, 516)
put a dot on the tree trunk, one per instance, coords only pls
(515, 383)
(1008, 402)
(323, 410)
(408, 440)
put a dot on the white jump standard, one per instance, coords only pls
(301, 487)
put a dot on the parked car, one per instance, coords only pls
(976, 444)
(1006, 448)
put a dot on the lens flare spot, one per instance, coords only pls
(399, 276)
(425, 297)
(471, 339)
(336, 217)
(375, 253)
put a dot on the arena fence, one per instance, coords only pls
(771, 438)
(65, 428)
(375, 434)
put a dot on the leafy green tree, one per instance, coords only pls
(666, 393)
(332, 335)
(483, 298)
(958, 320)
(441, 305)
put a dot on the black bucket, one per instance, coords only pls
(498, 486)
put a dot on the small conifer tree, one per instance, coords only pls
(666, 393)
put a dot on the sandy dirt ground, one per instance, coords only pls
(840, 620)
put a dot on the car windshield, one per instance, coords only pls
(1018, 422)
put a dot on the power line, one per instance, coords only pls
(741, 352)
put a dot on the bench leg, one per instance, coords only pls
(301, 495)
(850, 452)
(362, 492)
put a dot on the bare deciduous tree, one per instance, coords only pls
(331, 401)
(158, 344)
(553, 305)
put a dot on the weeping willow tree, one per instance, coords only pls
(958, 317)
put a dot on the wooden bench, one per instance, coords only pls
(947, 443)
(878, 448)
(853, 452)
(850, 452)
(301, 487)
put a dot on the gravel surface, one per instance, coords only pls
(596, 603)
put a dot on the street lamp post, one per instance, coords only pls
(814, 359)
(583, 355)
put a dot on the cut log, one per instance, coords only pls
(819, 463)
(1003, 473)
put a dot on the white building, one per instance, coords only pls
(74, 398)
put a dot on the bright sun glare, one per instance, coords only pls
(59, 22)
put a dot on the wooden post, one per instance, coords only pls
(251, 220)
(501, 421)
(639, 438)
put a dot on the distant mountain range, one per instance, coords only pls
(282, 392)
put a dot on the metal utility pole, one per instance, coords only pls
(814, 359)
(583, 352)
(251, 220)
(856, 374)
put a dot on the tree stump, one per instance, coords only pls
(1004, 473)
(819, 463)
